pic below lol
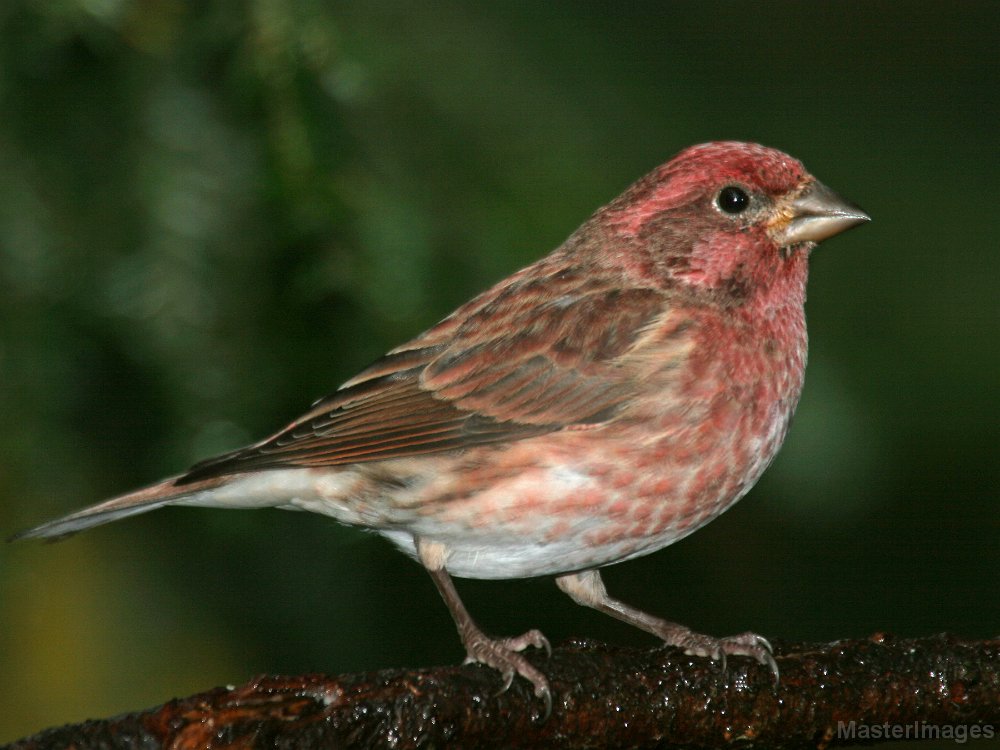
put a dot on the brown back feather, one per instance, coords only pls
(514, 363)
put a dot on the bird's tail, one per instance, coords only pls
(148, 498)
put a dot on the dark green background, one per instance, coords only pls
(211, 214)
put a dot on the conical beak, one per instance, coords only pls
(817, 213)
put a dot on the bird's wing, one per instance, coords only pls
(518, 361)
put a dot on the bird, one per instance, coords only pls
(598, 405)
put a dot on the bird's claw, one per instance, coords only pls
(744, 644)
(503, 655)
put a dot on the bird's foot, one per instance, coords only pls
(503, 655)
(744, 644)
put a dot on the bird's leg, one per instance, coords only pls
(587, 588)
(499, 653)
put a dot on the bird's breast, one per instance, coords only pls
(695, 439)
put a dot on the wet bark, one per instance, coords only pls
(829, 695)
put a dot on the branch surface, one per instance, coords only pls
(604, 696)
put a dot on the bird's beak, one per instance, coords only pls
(815, 214)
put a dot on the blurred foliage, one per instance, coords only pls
(211, 214)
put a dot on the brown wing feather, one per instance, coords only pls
(517, 361)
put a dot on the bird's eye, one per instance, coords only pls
(732, 200)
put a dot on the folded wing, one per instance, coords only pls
(526, 358)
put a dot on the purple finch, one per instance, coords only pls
(600, 404)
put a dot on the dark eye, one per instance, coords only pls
(732, 200)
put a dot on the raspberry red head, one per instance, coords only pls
(689, 181)
(725, 217)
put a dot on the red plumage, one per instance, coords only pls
(599, 404)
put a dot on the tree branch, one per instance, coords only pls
(605, 696)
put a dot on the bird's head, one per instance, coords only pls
(726, 220)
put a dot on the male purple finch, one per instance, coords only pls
(600, 404)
